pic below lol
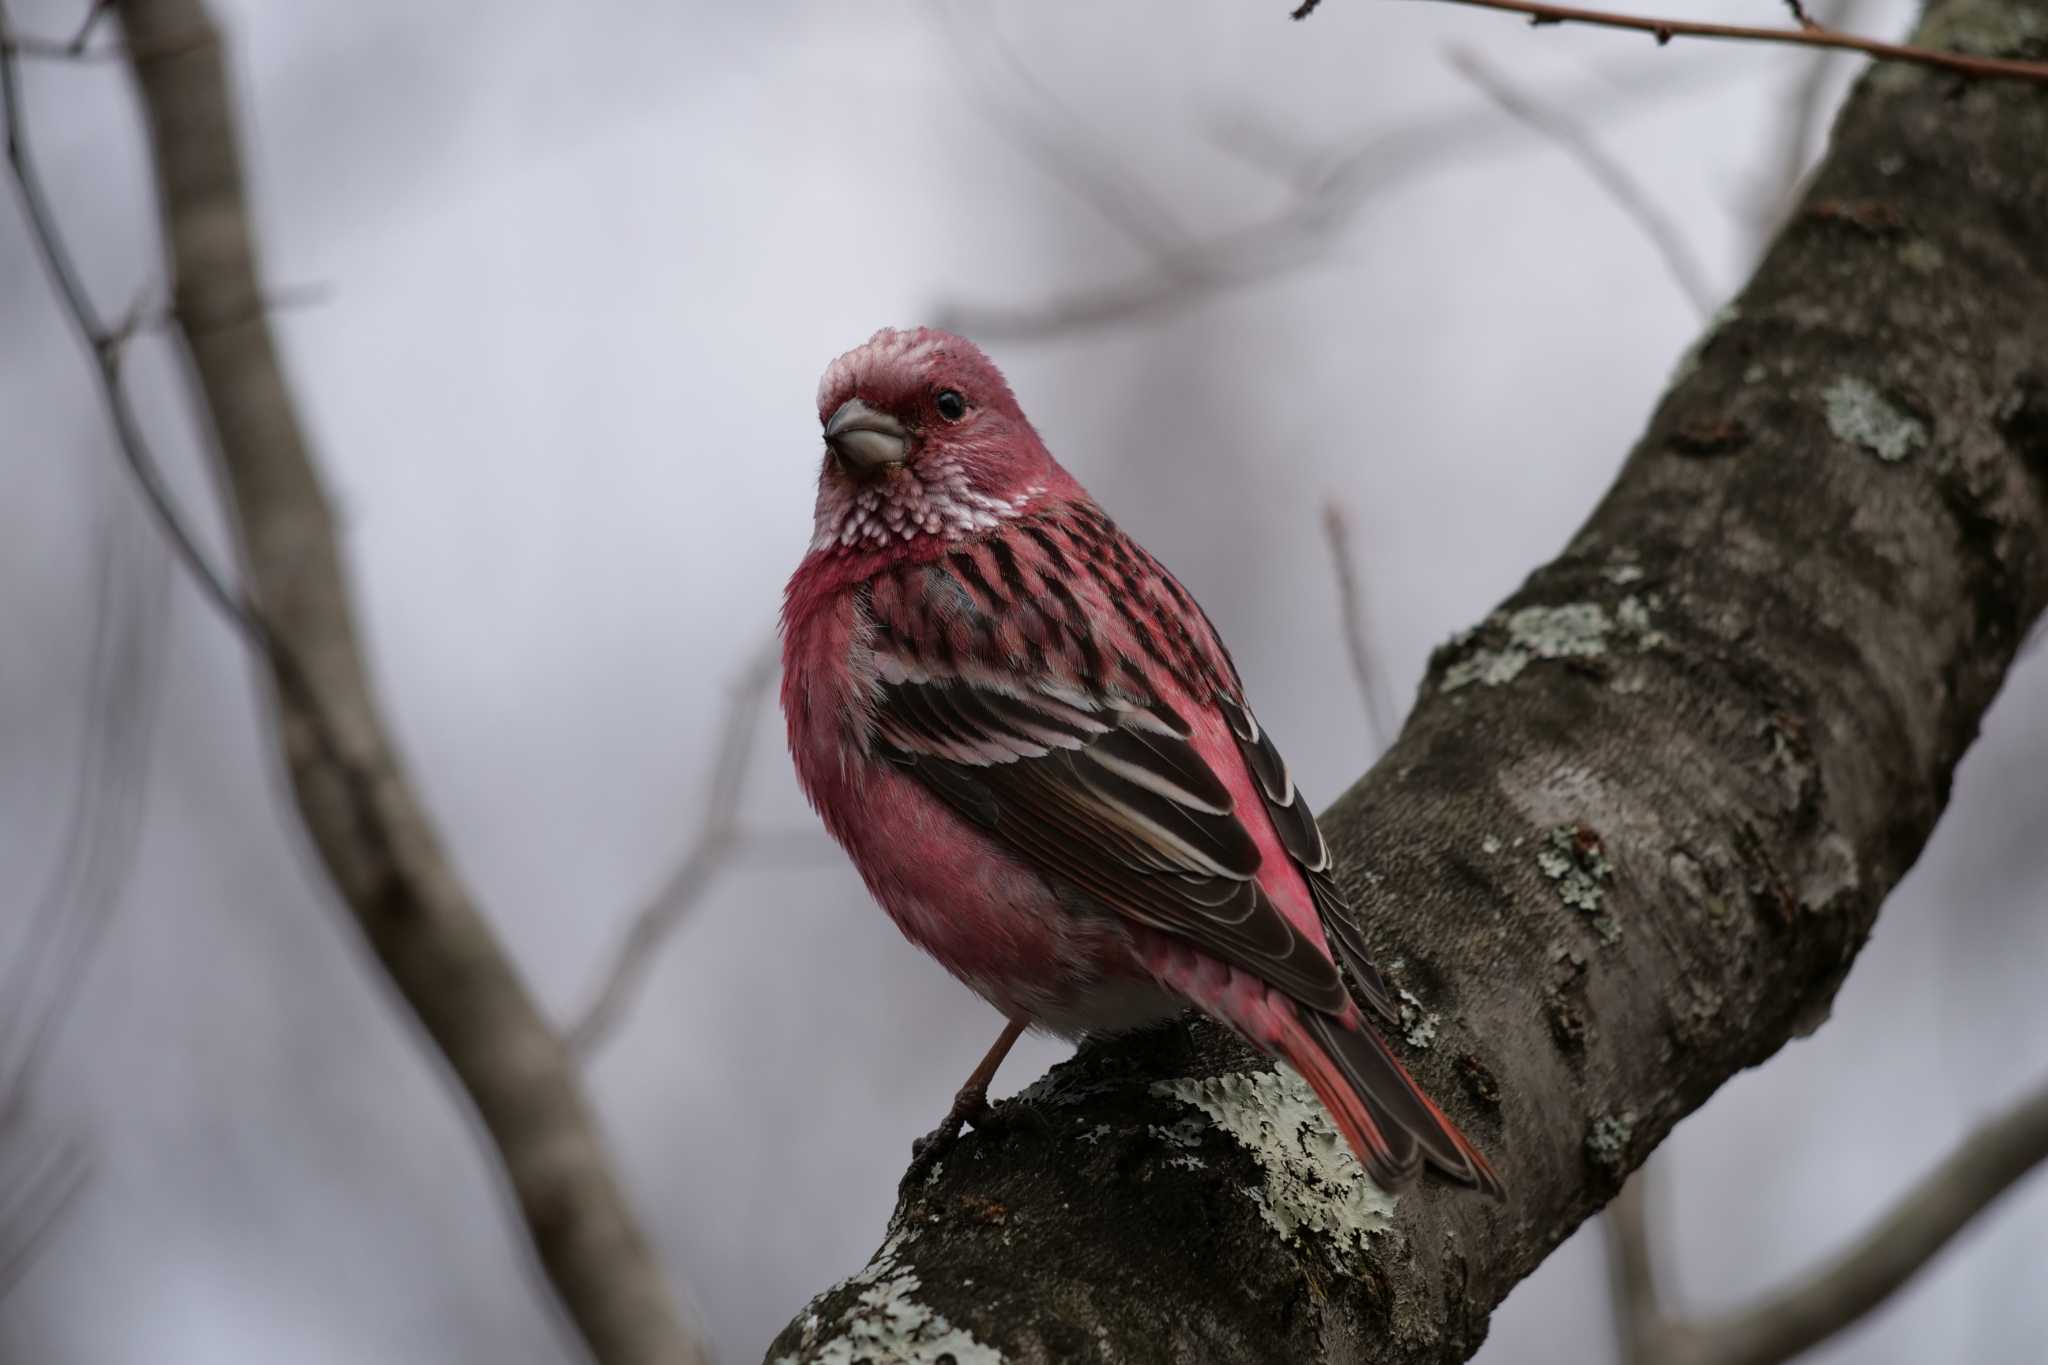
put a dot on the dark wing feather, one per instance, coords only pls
(1304, 842)
(1107, 795)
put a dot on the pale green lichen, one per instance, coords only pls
(1489, 844)
(1580, 868)
(1187, 1134)
(1860, 415)
(1632, 614)
(1607, 1142)
(1418, 1025)
(1575, 630)
(885, 1325)
(1310, 1181)
(1922, 256)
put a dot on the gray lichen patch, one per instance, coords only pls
(1859, 414)
(1607, 1142)
(1418, 1025)
(1632, 615)
(1575, 860)
(886, 1325)
(1574, 630)
(1310, 1181)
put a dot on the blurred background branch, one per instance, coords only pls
(719, 836)
(1324, 189)
(1795, 1319)
(373, 833)
(1556, 123)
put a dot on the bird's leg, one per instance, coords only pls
(970, 1105)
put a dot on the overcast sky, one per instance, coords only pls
(561, 280)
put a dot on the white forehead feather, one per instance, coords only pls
(889, 346)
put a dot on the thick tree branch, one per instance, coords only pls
(1635, 830)
(356, 802)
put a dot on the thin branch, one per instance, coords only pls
(1664, 30)
(1802, 123)
(30, 1217)
(718, 839)
(1577, 142)
(1325, 193)
(106, 345)
(1631, 1269)
(80, 901)
(1987, 1164)
(360, 809)
(1379, 712)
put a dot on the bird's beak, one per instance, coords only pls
(865, 438)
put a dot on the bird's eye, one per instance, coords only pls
(950, 404)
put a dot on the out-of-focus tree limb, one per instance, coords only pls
(1325, 191)
(354, 797)
(1631, 1266)
(1372, 689)
(718, 838)
(1793, 1320)
(1556, 123)
(1635, 830)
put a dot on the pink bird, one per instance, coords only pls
(1035, 749)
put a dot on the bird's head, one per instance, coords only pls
(923, 440)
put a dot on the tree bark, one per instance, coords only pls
(1636, 829)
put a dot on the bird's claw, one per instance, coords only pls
(970, 1106)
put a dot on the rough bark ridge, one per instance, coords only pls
(1639, 824)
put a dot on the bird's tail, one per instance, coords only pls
(1382, 1112)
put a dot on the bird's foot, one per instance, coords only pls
(970, 1106)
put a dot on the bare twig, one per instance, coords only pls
(1326, 191)
(718, 839)
(1577, 142)
(1664, 30)
(356, 801)
(1987, 1164)
(106, 345)
(34, 1200)
(1802, 122)
(62, 932)
(1379, 713)
(1631, 1269)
